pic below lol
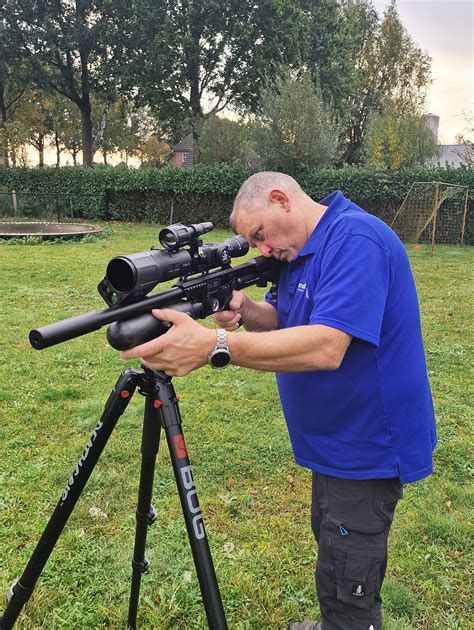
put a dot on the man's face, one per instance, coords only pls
(271, 230)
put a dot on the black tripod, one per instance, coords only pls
(161, 410)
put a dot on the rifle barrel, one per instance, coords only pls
(73, 327)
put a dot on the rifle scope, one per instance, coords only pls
(130, 278)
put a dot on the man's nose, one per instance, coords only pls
(265, 250)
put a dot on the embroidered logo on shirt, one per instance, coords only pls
(303, 286)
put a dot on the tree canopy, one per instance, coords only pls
(293, 128)
(133, 74)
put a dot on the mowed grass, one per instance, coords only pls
(255, 499)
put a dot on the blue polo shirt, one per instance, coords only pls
(373, 416)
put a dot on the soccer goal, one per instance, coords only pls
(432, 212)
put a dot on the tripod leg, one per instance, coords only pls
(116, 404)
(171, 420)
(145, 514)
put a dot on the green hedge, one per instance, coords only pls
(205, 193)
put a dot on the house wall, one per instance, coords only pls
(176, 159)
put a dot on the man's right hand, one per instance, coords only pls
(256, 316)
(230, 319)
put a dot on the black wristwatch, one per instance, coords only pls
(220, 357)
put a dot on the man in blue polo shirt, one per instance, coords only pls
(345, 341)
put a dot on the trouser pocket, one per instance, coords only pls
(359, 557)
(358, 577)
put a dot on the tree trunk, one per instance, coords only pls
(86, 131)
(101, 128)
(104, 153)
(3, 130)
(58, 150)
(41, 149)
(194, 98)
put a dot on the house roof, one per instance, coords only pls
(186, 144)
(452, 154)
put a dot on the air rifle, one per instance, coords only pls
(206, 282)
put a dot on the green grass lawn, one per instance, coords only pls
(255, 499)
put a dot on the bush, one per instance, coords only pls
(162, 195)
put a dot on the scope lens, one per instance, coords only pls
(179, 235)
(168, 238)
(121, 274)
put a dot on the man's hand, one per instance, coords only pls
(230, 319)
(183, 348)
(256, 316)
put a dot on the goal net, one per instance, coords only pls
(432, 212)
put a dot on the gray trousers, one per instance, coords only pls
(351, 520)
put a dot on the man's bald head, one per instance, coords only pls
(254, 192)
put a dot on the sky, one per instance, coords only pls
(445, 29)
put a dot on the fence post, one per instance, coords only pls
(463, 226)
(58, 211)
(15, 203)
(435, 216)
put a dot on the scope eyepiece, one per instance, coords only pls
(238, 246)
(178, 235)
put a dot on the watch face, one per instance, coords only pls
(220, 358)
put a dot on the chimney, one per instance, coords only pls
(432, 122)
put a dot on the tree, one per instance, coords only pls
(393, 141)
(222, 140)
(293, 128)
(13, 83)
(466, 138)
(153, 151)
(11, 93)
(329, 54)
(208, 51)
(71, 134)
(392, 71)
(28, 123)
(71, 46)
(40, 121)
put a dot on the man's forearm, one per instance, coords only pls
(258, 316)
(298, 349)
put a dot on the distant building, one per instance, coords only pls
(449, 154)
(432, 122)
(182, 154)
(453, 155)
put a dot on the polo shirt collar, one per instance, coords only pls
(336, 203)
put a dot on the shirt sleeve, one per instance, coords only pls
(352, 289)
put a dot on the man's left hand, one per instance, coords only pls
(183, 348)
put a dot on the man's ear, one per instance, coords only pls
(279, 197)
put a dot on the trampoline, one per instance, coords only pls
(13, 229)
